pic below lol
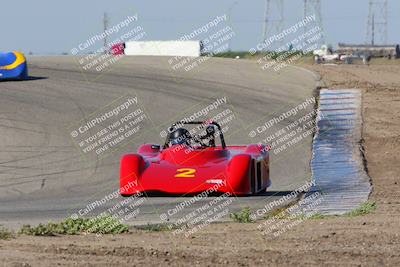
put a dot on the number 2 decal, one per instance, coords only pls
(185, 173)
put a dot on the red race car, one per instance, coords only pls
(190, 164)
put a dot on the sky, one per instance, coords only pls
(48, 27)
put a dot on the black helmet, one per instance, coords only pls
(180, 136)
(210, 135)
(210, 130)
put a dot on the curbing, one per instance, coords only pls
(337, 163)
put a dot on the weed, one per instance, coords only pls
(160, 227)
(365, 208)
(243, 216)
(5, 233)
(101, 225)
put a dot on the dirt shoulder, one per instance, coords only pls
(370, 240)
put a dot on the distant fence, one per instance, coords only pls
(389, 51)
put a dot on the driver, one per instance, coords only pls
(180, 136)
(209, 136)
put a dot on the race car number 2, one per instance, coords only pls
(185, 173)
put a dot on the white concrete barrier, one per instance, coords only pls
(163, 48)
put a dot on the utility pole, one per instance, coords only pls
(265, 25)
(373, 30)
(230, 19)
(273, 19)
(105, 27)
(314, 7)
(377, 22)
(305, 14)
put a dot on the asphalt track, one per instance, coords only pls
(42, 174)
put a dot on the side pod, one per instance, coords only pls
(131, 166)
(238, 170)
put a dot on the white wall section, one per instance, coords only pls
(163, 48)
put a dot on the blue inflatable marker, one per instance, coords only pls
(13, 66)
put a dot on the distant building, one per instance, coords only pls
(389, 51)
